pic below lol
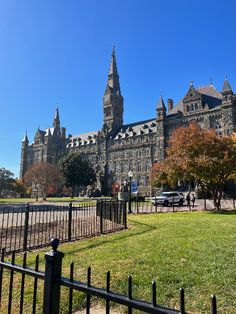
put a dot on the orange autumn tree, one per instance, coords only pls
(41, 176)
(199, 155)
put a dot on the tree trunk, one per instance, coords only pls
(72, 191)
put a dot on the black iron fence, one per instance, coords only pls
(147, 206)
(31, 227)
(53, 281)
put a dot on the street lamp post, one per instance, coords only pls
(37, 192)
(130, 175)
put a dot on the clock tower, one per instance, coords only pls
(112, 100)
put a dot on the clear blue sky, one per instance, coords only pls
(59, 52)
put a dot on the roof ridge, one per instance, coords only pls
(138, 122)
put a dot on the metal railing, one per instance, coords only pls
(53, 281)
(30, 227)
(145, 207)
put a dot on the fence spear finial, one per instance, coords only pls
(54, 244)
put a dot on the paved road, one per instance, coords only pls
(12, 215)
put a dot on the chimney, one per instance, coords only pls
(170, 104)
(63, 133)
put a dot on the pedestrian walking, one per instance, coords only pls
(193, 198)
(188, 199)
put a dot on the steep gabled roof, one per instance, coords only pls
(192, 94)
(39, 133)
(209, 94)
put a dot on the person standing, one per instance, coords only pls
(193, 198)
(188, 199)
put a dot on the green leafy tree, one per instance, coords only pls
(19, 187)
(6, 180)
(199, 155)
(77, 171)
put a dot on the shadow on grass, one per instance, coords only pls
(103, 241)
(222, 212)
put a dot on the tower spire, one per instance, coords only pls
(56, 121)
(113, 100)
(113, 76)
(113, 67)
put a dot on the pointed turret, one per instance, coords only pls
(56, 121)
(161, 104)
(226, 90)
(161, 109)
(113, 100)
(25, 139)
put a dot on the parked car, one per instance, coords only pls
(168, 198)
(138, 198)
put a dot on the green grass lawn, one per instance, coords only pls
(196, 251)
(49, 199)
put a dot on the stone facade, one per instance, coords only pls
(117, 147)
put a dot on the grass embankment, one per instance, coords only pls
(49, 199)
(195, 251)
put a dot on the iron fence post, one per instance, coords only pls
(124, 214)
(26, 227)
(101, 216)
(213, 305)
(204, 203)
(182, 301)
(53, 263)
(69, 221)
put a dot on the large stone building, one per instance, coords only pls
(117, 147)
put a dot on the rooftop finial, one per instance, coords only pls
(191, 83)
(226, 76)
(160, 92)
(211, 81)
